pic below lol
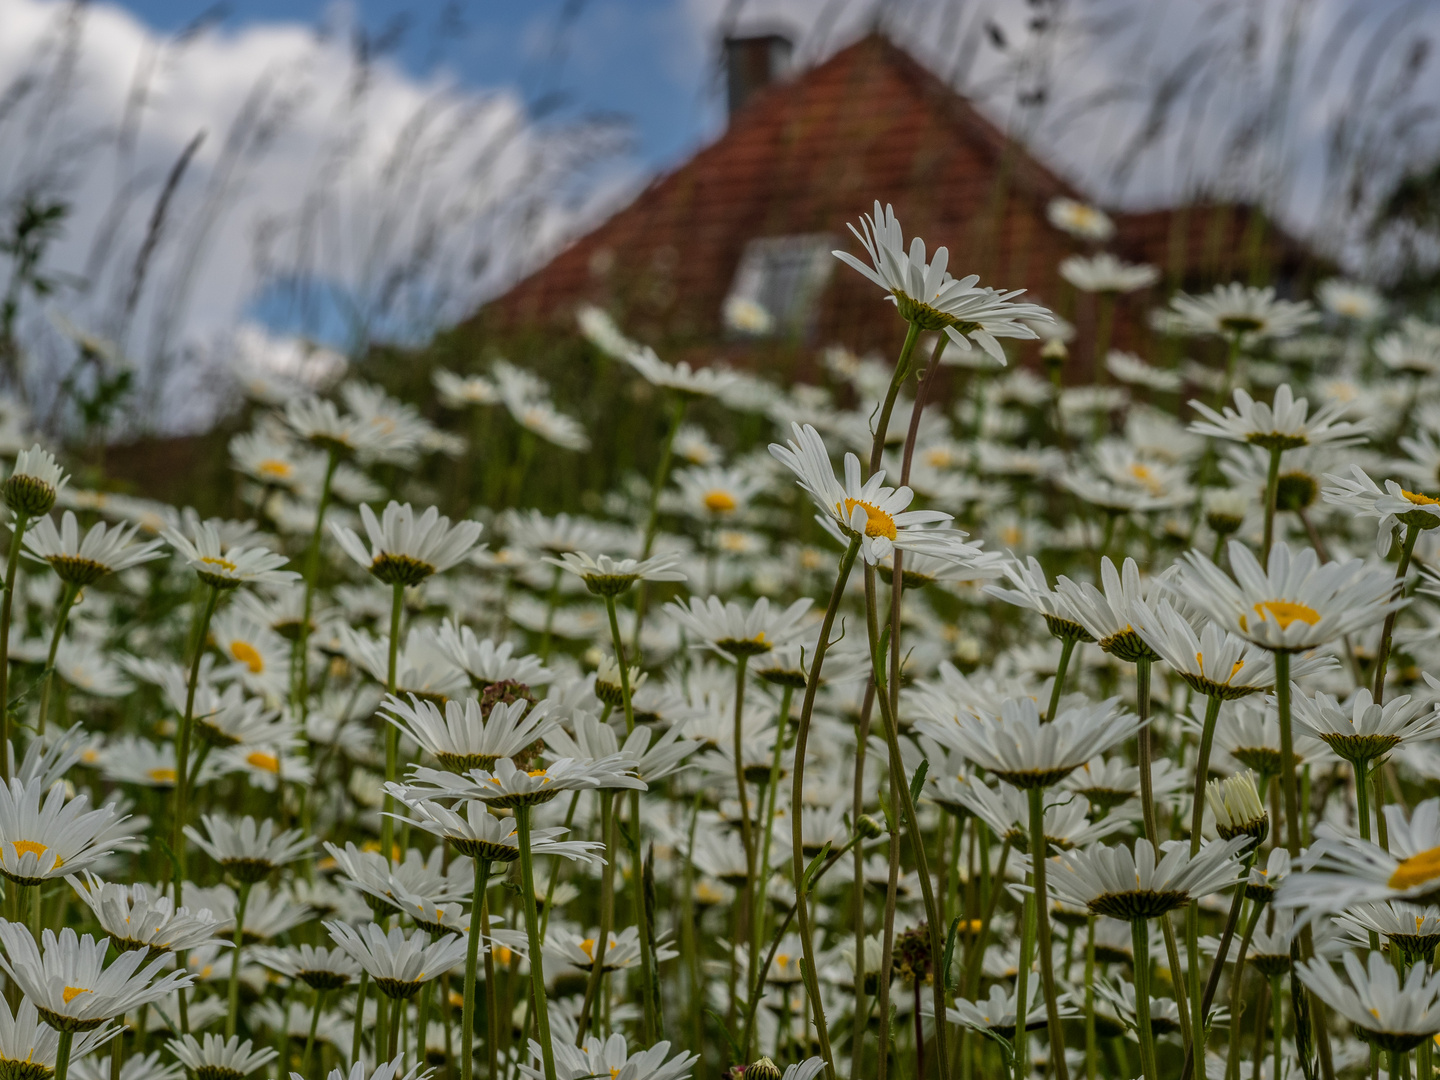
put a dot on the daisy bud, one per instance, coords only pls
(607, 683)
(33, 484)
(868, 828)
(1236, 805)
(1225, 509)
(1054, 352)
(762, 1069)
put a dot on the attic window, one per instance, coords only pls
(776, 285)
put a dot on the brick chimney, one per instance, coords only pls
(752, 63)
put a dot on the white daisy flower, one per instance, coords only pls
(1024, 751)
(1236, 808)
(1293, 604)
(1362, 497)
(1394, 1017)
(717, 492)
(29, 1049)
(70, 985)
(1114, 882)
(606, 576)
(1283, 425)
(1129, 368)
(1412, 928)
(508, 787)
(927, 296)
(1245, 312)
(597, 325)
(1080, 220)
(1213, 662)
(596, 741)
(476, 832)
(997, 1012)
(611, 1058)
(1110, 616)
(1350, 299)
(729, 628)
(83, 561)
(398, 965)
(1361, 730)
(543, 419)
(34, 482)
(869, 511)
(247, 849)
(318, 967)
(227, 567)
(139, 917)
(406, 549)
(488, 662)
(1032, 590)
(215, 1058)
(464, 737)
(1343, 870)
(462, 391)
(43, 835)
(1104, 273)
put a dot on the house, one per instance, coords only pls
(747, 224)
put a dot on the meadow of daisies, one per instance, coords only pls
(972, 723)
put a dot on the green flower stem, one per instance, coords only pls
(1192, 913)
(359, 1030)
(1237, 1000)
(1039, 848)
(1277, 1022)
(620, 660)
(62, 1055)
(532, 930)
(857, 883)
(1140, 938)
(1067, 646)
(607, 914)
(310, 1038)
(422, 1020)
(1272, 485)
(392, 733)
(1024, 1066)
(1217, 966)
(234, 994)
(652, 518)
(182, 749)
(1092, 1048)
(492, 994)
(1382, 655)
(771, 794)
(887, 945)
(472, 957)
(12, 567)
(901, 785)
(809, 972)
(1231, 357)
(300, 659)
(62, 615)
(982, 938)
(747, 914)
(1287, 755)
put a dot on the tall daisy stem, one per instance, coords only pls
(1067, 646)
(1140, 939)
(62, 1055)
(747, 913)
(12, 567)
(809, 971)
(300, 663)
(472, 958)
(607, 915)
(532, 930)
(1272, 487)
(310, 1037)
(392, 733)
(62, 615)
(652, 518)
(234, 994)
(1382, 655)
(1192, 912)
(1039, 849)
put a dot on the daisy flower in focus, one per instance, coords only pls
(83, 561)
(247, 849)
(1292, 604)
(1343, 870)
(929, 298)
(1361, 496)
(398, 965)
(406, 549)
(1394, 1017)
(223, 566)
(43, 835)
(1284, 425)
(606, 576)
(220, 1059)
(34, 482)
(730, 629)
(1115, 882)
(1362, 730)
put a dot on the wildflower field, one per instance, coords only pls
(946, 718)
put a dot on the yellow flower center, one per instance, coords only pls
(33, 847)
(1417, 869)
(248, 655)
(877, 521)
(274, 468)
(503, 955)
(939, 458)
(261, 760)
(1145, 476)
(70, 993)
(162, 776)
(1419, 499)
(1010, 536)
(1285, 612)
(719, 502)
(215, 560)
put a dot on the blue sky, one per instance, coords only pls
(643, 60)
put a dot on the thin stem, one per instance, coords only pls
(1067, 646)
(234, 995)
(1024, 1066)
(492, 992)
(1287, 755)
(607, 914)
(1237, 1000)
(550, 601)
(1038, 851)
(62, 615)
(857, 882)
(1092, 1048)
(12, 567)
(747, 838)
(809, 972)
(62, 1055)
(652, 519)
(1277, 1022)
(897, 379)
(310, 1038)
(532, 929)
(1382, 656)
(392, 733)
(1140, 939)
(1272, 485)
(359, 1029)
(182, 748)
(771, 797)
(472, 958)
(1192, 914)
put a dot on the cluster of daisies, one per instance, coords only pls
(980, 724)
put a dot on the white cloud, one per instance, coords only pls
(408, 199)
